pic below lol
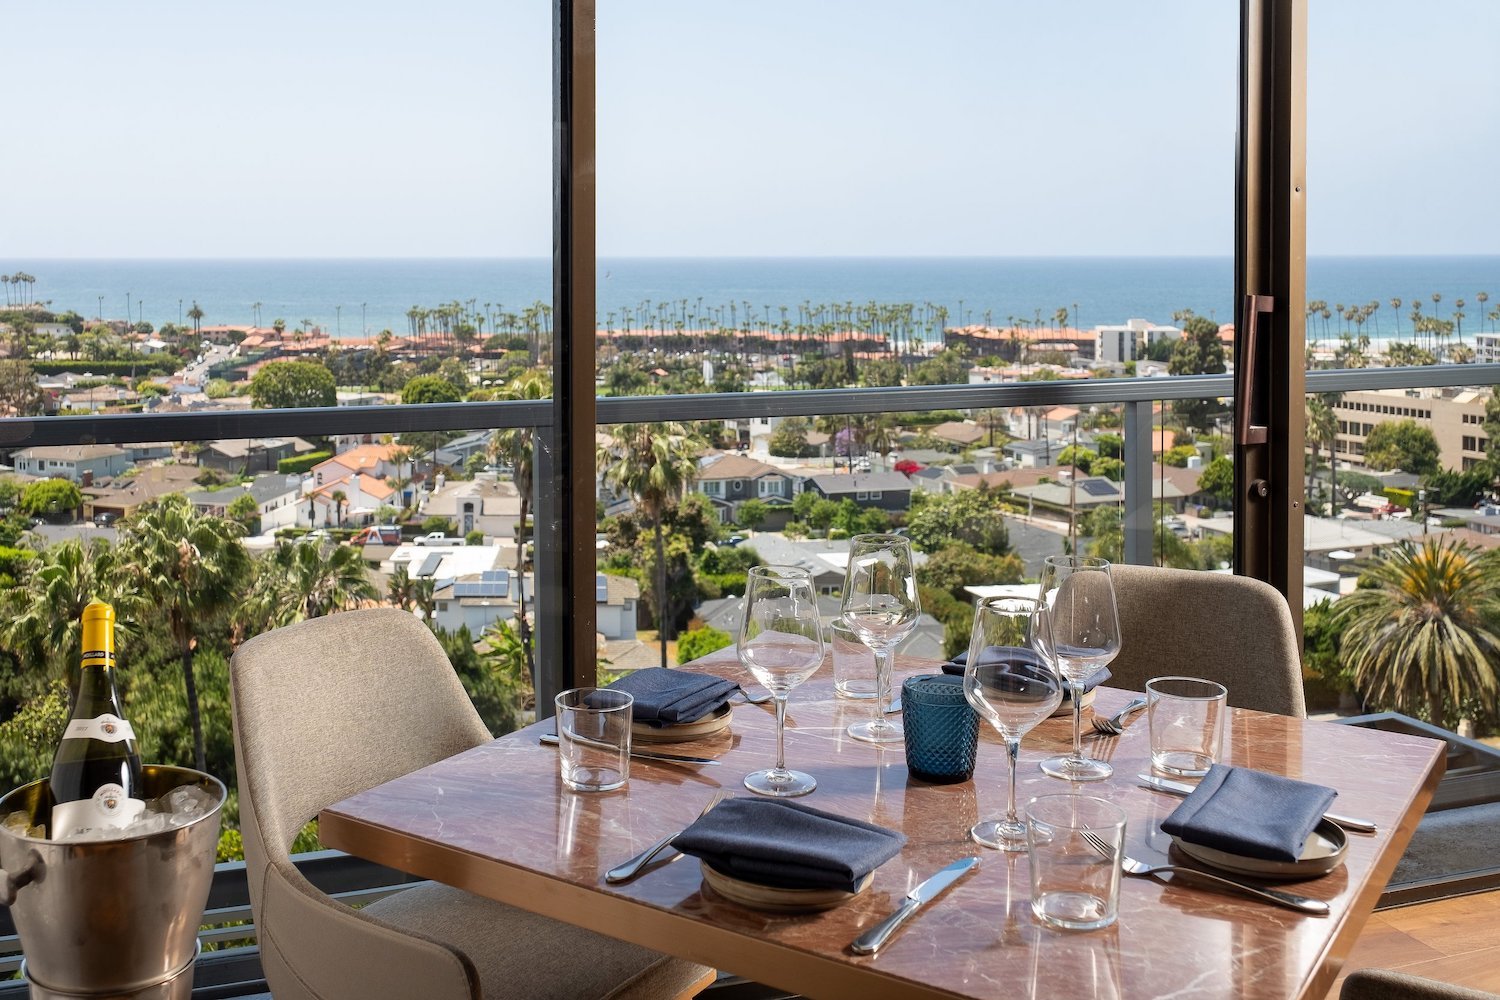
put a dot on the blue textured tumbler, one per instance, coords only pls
(942, 728)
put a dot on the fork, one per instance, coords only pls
(1133, 867)
(756, 699)
(1115, 724)
(630, 869)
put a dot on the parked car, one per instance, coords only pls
(378, 534)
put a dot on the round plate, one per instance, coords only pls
(1322, 853)
(713, 722)
(778, 900)
(1066, 706)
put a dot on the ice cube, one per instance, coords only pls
(188, 801)
(18, 824)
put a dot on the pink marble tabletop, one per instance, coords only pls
(497, 821)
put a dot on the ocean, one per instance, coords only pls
(347, 296)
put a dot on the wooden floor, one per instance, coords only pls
(1453, 940)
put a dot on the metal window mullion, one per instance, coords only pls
(565, 554)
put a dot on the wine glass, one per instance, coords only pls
(881, 606)
(1013, 686)
(1078, 600)
(781, 643)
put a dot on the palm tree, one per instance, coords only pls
(1322, 425)
(515, 445)
(42, 620)
(1482, 298)
(189, 566)
(340, 500)
(196, 315)
(1419, 636)
(1396, 308)
(399, 588)
(656, 464)
(317, 579)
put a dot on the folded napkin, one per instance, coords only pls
(778, 843)
(1250, 813)
(957, 664)
(671, 697)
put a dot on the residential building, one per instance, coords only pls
(1455, 415)
(363, 495)
(82, 463)
(925, 640)
(479, 504)
(376, 460)
(883, 490)
(1128, 341)
(240, 457)
(276, 499)
(122, 495)
(729, 480)
(957, 434)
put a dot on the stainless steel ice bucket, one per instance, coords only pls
(111, 918)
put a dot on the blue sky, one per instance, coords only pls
(968, 127)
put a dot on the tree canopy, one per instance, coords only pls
(430, 389)
(1404, 445)
(972, 517)
(51, 496)
(284, 384)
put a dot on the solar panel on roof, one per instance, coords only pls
(1098, 488)
(430, 564)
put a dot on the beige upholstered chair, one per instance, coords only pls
(1378, 984)
(1229, 629)
(336, 705)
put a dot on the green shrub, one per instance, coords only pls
(700, 642)
(303, 463)
(475, 537)
(437, 523)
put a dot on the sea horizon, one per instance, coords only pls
(360, 296)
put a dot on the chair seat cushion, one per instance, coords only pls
(520, 954)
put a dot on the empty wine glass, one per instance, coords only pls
(1013, 686)
(881, 606)
(781, 644)
(1078, 600)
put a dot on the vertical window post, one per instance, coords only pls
(1270, 273)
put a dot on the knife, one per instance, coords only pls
(870, 941)
(1183, 788)
(550, 739)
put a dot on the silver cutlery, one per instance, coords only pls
(1183, 788)
(871, 940)
(1115, 724)
(756, 699)
(630, 869)
(551, 740)
(1131, 866)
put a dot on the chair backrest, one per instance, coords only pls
(1379, 984)
(324, 709)
(1229, 629)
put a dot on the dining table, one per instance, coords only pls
(497, 821)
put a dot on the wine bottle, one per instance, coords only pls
(96, 775)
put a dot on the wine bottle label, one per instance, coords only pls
(109, 807)
(105, 728)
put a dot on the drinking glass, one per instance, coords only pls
(781, 644)
(881, 606)
(1014, 687)
(1078, 600)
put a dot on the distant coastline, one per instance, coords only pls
(353, 297)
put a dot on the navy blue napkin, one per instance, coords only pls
(957, 664)
(778, 843)
(671, 697)
(1250, 813)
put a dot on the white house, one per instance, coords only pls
(1128, 341)
(276, 497)
(479, 600)
(362, 496)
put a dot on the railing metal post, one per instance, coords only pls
(1138, 493)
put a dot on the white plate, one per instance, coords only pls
(1323, 852)
(713, 722)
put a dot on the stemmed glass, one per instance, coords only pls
(1013, 686)
(881, 606)
(781, 644)
(1078, 600)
